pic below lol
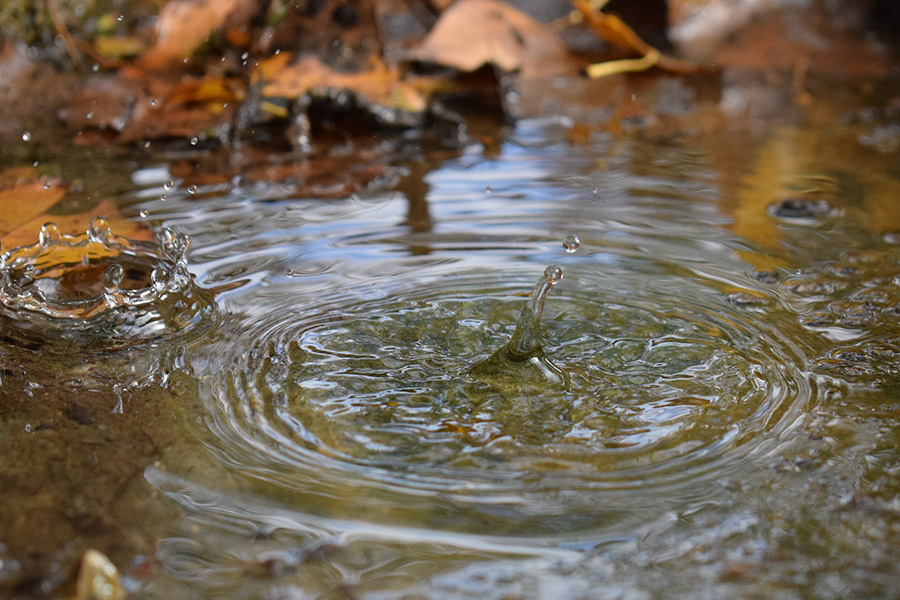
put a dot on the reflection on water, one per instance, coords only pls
(719, 412)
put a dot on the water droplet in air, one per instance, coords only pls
(120, 18)
(90, 115)
(194, 141)
(169, 184)
(488, 190)
(113, 276)
(153, 102)
(27, 427)
(35, 163)
(47, 185)
(554, 274)
(144, 214)
(163, 198)
(571, 243)
(95, 68)
(26, 136)
(192, 189)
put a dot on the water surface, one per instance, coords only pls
(725, 335)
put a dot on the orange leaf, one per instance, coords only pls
(473, 33)
(27, 233)
(23, 200)
(381, 86)
(183, 25)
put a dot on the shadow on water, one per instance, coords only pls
(373, 403)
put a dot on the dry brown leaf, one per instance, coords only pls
(184, 25)
(141, 106)
(382, 85)
(27, 232)
(614, 31)
(24, 197)
(474, 33)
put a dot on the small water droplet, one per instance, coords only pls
(35, 163)
(146, 144)
(90, 115)
(26, 136)
(571, 243)
(47, 185)
(554, 274)
(144, 214)
(163, 198)
(95, 68)
(153, 102)
(27, 427)
(113, 276)
(245, 55)
(488, 190)
(120, 18)
(192, 189)
(169, 185)
(194, 141)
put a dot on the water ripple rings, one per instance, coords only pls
(370, 387)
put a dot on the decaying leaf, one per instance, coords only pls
(24, 196)
(185, 24)
(138, 106)
(27, 199)
(27, 232)
(380, 86)
(614, 31)
(474, 33)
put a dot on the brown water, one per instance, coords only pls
(711, 410)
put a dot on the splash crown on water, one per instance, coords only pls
(31, 277)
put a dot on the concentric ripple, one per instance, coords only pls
(372, 388)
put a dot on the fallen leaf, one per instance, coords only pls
(183, 25)
(614, 31)
(24, 196)
(474, 33)
(141, 106)
(27, 232)
(381, 86)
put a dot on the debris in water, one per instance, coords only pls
(98, 579)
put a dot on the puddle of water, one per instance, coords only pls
(712, 408)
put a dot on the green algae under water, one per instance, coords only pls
(709, 408)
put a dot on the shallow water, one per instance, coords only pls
(725, 422)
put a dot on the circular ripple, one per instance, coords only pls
(372, 390)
